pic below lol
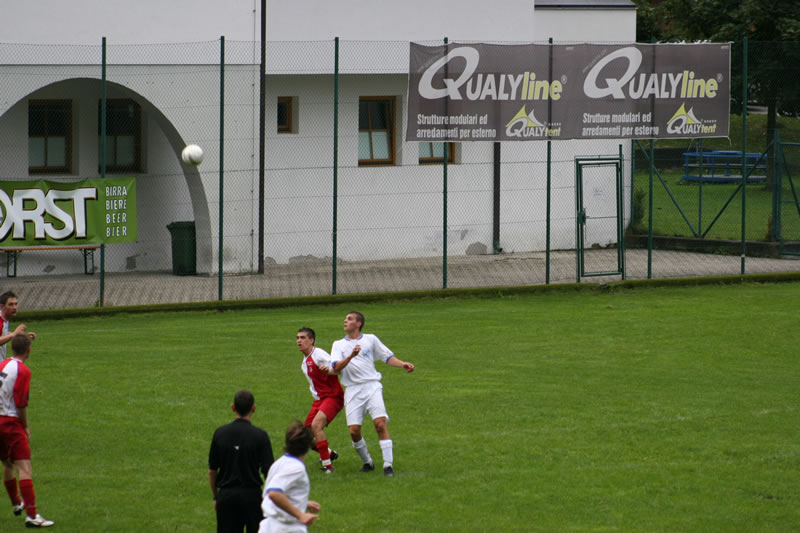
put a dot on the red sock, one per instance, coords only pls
(11, 489)
(324, 453)
(26, 488)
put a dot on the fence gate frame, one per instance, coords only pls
(782, 171)
(581, 216)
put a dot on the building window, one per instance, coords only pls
(285, 112)
(433, 153)
(123, 135)
(376, 131)
(49, 136)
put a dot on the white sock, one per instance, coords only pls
(361, 448)
(388, 455)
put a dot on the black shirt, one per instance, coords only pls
(238, 451)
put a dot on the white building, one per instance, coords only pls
(170, 94)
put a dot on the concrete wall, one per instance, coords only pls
(396, 211)
(585, 25)
(384, 212)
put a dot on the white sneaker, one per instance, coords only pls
(18, 508)
(39, 521)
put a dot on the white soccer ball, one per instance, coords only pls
(192, 155)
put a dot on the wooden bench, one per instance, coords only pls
(12, 256)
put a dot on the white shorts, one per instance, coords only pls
(271, 525)
(364, 398)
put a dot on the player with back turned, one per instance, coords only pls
(15, 434)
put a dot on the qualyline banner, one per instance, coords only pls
(40, 212)
(485, 92)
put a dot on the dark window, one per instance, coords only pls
(285, 114)
(376, 131)
(123, 135)
(49, 136)
(433, 153)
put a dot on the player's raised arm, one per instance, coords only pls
(337, 366)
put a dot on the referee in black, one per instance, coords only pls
(238, 451)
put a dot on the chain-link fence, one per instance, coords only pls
(344, 204)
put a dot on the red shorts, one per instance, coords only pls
(13, 440)
(330, 406)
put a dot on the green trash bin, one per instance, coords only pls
(184, 257)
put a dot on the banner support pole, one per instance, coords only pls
(221, 156)
(103, 102)
(334, 233)
(444, 198)
(744, 153)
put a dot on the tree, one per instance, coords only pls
(772, 28)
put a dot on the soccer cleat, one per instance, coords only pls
(368, 467)
(388, 471)
(39, 521)
(327, 469)
(334, 456)
(18, 508)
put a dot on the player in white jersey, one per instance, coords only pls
(8, 309)
(286, 506)
(354, 359)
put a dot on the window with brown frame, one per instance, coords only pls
(376, 124)
(49, 136)
(123, 135)
(285, 111)
(433, 153)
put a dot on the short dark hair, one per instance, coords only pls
(309, 332)
(6, 296)
(243, 402)
(298, 439)
(20, 344)
(359, 318)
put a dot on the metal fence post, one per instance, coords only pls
(262, 134)
(335, 160)
(621, 211)
(700, 188)
(650, 213)
(549, 169)
(221, 153)
(103, 101)
(744, 152)
(777, 189)
(444, 200)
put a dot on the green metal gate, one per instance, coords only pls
(599, 217)
(786, 197)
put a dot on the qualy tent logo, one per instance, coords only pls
(685, 122)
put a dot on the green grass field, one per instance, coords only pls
(668, 221)
(671, 409)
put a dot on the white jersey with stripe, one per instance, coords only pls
(361, 368)
(9, 372)
(287, 475)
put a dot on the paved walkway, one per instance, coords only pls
(314, 279)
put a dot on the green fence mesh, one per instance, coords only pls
(380, 214)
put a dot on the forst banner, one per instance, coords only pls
(92, 211)
(486, 92)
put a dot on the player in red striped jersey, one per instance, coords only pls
(15, 450)
(327, 393)
(8, 309)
